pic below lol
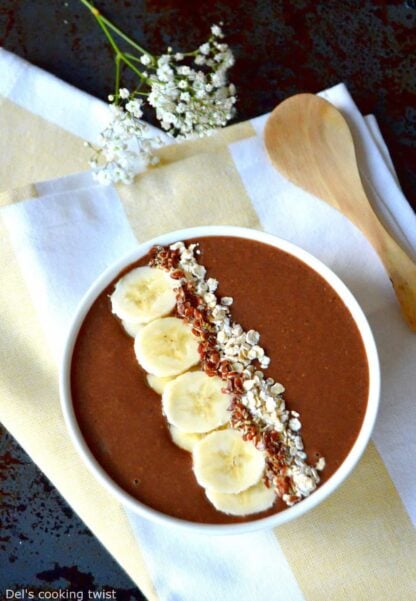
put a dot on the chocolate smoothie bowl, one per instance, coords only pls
(221, 379)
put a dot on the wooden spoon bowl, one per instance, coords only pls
(310, 143)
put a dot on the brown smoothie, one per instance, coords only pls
(316, 352)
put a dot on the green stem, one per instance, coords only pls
(132, 57)
(193, 53)
(107, 34)
(124, 58)
(111, 26)
(120, 56)
(117, 88)
(136, 91)
(136, 59)
(125, 37)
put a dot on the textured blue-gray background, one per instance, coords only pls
(282, 47)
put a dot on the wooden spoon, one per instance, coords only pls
(310, 143)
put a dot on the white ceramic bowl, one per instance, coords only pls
(291, 512)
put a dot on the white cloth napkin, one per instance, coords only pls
(64, 240)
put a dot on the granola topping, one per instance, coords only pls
(258, 408)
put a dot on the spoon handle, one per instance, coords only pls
(402, 274)
(399, 266)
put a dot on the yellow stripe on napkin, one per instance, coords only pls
(35, 149)
(204, 189)
(8, 197)
(358, 545)
(213, 143)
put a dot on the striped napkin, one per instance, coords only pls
(58, 235)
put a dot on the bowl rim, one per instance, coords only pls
(322, 492)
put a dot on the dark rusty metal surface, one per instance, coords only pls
(44, 546)
(282, 47)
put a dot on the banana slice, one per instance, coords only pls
(166, 347)
(252, 500)
(143, 294)
(224, 462)
(194, 402)
(131, 328)
(158, 384)
(185, 440)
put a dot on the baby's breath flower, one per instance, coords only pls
(205, 48)
(185, 70)
(217, 31)
(124, 145)
(206, 101)
(135, 108)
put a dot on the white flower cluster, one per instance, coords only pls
(194, 100)
(191, 97)
(125, 145)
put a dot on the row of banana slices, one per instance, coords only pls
(229, 468)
